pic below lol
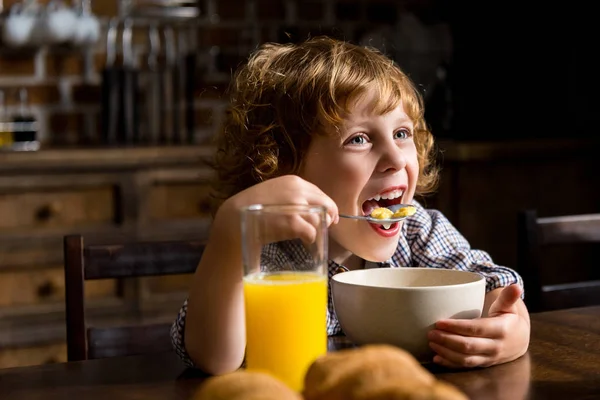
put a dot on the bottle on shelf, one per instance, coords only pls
(6, 133)
(25, 126)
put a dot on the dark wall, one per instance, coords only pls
(521, 69)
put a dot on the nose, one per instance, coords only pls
(393, 158)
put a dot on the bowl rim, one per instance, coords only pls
(478, 281)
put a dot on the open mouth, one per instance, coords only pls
(383, 200)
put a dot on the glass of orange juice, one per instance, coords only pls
(285, 288)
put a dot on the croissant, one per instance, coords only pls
(245, 385)
(374, 372)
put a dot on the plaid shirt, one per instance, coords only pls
(427, 239)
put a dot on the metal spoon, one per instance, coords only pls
(368, 218)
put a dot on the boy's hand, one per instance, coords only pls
(289, 189)
(501, 336)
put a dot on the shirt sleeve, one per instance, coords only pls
(435, 243)
(178, 336)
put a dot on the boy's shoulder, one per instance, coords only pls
(421, 217)
(426, 221)
(425, 213)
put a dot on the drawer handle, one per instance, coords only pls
(46, 290)
(48, 211)
(204, 206)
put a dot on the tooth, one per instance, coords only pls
(386, 226)
(394, 194)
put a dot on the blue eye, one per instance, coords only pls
(402, 134)
(358, 140)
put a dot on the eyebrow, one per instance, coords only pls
(365, 121)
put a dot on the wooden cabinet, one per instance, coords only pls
(169, 201)
(108, 195)
(48, 207)
(39, 286)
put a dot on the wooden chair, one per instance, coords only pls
(119, 261)
(536, 234)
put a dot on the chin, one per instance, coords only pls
(364, 244)
(380, 255)
(375, 253)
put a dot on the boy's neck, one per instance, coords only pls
(354, 262)
(343, 257)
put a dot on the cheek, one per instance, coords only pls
(412, 164)
(412, 172)
(339, 177)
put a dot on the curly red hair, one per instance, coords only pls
(286, 93)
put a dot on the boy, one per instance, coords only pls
(330, 123)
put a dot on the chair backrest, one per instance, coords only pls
(119, 261)
(535, 233)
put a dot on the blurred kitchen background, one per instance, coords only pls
(107, 109)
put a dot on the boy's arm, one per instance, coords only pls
(215, 335)
(215, 331)
(502, 334)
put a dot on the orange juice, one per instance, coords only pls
(285, 323)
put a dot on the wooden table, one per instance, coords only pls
(563, 362)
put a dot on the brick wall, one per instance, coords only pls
(64, 83)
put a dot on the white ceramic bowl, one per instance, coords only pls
(399, 306)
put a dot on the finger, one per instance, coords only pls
(307, 232)
(279, 228)
(316, 220)
(446, 363)
(505, 303)
(317, 196)
(303, 229)
(463, 344)
(313, 219)
(332, 212)
(458, 359)
(479, 327)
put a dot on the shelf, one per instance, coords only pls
(103, 158)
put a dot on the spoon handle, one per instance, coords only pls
(393, 208)
(374, 220)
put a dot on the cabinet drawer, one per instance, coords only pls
(45, 285)
(179, 201)
(21, 357)
(58, 208)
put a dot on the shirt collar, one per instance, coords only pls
(335, 268)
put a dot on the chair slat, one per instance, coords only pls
(570, 229)
(571, 295)
(142, 259)
(128, 340)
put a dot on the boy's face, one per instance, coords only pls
(371, 158)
